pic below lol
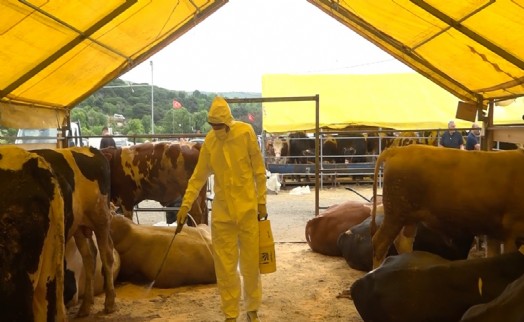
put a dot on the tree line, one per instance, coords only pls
(133, 101)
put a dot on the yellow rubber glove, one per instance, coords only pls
(181, 217)
(262, 211)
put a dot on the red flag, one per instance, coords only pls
(176, 105)
(250, 117)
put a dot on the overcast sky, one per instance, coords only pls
(245, 39)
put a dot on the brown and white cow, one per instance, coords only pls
(449, 190)
(32, 238)
(142, 250)
(156, 171)
(301, 148)
(277, 150)
(83, 175)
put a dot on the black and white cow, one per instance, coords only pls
(75, 273)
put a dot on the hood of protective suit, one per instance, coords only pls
(219, 112)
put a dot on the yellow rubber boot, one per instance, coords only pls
(252, 316)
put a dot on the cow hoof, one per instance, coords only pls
(83, 312)
(109, 309)
(109, 305)
(85, 309)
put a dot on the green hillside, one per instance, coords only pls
(126, 107)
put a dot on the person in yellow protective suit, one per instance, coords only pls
(231, 152)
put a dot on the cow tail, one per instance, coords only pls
(378, 164)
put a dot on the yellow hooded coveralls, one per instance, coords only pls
(239, 185)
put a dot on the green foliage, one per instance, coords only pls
(133, 126)
(133, 101)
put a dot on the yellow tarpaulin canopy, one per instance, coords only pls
(400, 101)
(55, 53)
(512, 114)
(471, 48)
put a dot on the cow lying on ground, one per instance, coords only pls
(450, 190)
(156, 171)
(75, 273)
(83, 175)
(32, 239)
(142, 250)
(322, 231)
(506, 307)
(355, 245)
(357, 249)
(420, 286)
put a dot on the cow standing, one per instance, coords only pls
(32, 239)
(277, 150)
(301, 148)
(353, 148)
(449, 190)
(83, 175)
(156, 171)
(75, 274)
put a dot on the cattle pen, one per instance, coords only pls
(345, 156)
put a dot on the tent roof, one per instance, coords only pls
(400, 101)
(471, 48)
(56, 53)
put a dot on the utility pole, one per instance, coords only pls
(152, 102)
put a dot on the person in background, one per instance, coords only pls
(472, 141)
(230, 151)
(107, 140)
(451, 138)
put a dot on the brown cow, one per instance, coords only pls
(156, 171)
(453, 191)
(322, 232)
(142, 250)
(406, 138)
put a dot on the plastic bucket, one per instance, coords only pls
(267, 259)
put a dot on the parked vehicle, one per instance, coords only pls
(48, 138)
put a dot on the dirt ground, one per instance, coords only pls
(304, 287)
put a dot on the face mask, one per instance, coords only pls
(221, 134)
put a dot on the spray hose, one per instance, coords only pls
(177, 231)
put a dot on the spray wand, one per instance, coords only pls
(177, 231)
